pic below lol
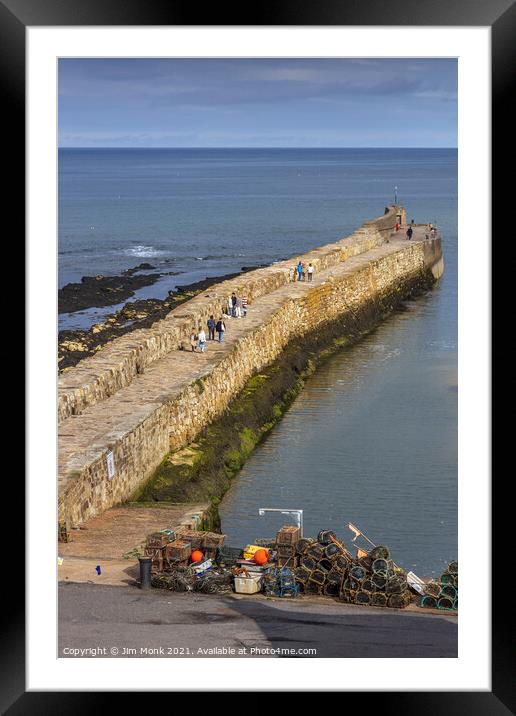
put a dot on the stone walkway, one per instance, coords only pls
(83, 436)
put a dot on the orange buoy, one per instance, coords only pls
(196, 556)
(261, 556)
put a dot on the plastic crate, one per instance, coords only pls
(248, 585)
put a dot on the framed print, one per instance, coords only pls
(265, 238)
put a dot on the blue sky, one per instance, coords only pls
(257, 103)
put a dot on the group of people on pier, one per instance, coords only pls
(301, 272)
(237, 307)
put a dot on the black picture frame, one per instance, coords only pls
(500, 16)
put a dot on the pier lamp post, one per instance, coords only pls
(298, 514)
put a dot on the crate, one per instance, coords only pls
(248, 585)
(288, 535)
(159, 539)
(178, 551)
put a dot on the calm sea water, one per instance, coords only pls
(372, 438)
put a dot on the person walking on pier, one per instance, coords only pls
(233, 304)
(244, 305)
(202, 340)
(221, 329)
(211, 328)
(193, 341)
(310, 271)
(300, 271)
(409, 233)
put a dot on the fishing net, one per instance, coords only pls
(214, 583)
(176, 581)
(380, 552)
(326, 536)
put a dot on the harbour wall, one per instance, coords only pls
(358, 272)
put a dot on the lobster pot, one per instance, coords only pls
(334, 577)
(315, 551)
(194, 537)
(318, 576)
(453, 567)
(366, 562)
(379, 582)
(348, 595)
(287, 562)
(342, 562)
(456, 581)
(227, 556)
(448, 591)
(433, 589)
(378, 599)
(447, 578)
(445, 603)
(302, 574)
(362, 597)
(331, 589)
(385, 566)
(428, 602)
(380, 552)
(331, 551)
(156, 540)
(303, 544)
(367, 585)
(396, 585)
(358, 572)
(399, 601)
(288, 535)
(326, 537)
(266, 542)
(178, 551)
(456, 603)
(351, 584)
(325, 565)
(309, 563)
(312, 588)
(270, 581)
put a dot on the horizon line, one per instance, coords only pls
(243, 147)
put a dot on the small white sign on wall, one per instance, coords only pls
(110, 460)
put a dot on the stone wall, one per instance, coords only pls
(174, 423)
(116, 364)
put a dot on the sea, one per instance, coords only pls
(372, 438)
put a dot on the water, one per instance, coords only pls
(209, 212)
(372, 439)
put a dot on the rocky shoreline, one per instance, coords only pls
(76, 344)
(99, 291)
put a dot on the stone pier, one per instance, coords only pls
(121, 410)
